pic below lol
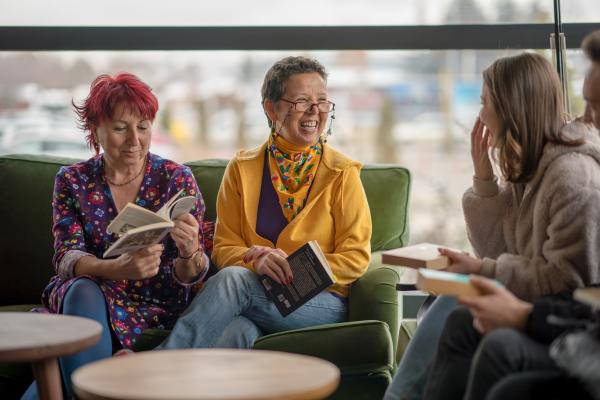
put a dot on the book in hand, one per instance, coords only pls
(138, 227)
(422, 255)
(589, 296)
(312, 274)
(447, 283)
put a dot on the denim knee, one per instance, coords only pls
(82, 297)
(233, 276)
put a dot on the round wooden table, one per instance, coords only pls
(42, 338)
(207, 374)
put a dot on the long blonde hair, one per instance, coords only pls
(526, 94)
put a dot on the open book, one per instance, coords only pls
(422, 255)
(312, 275)
(448, 283)
(138, 227)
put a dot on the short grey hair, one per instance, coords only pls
(274, 83)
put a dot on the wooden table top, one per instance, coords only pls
(36, 336)
(207, 374)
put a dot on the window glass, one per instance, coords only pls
(413, 108)
(281, 13)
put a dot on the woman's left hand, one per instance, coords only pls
(462, 263)
(185, 234)
(255, 252)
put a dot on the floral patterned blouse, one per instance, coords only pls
(82, 209)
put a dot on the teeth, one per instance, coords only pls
(308, 124)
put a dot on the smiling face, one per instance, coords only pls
(125, 139)
(488, 114)
(591, 94)
(300, 128)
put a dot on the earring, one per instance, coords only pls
(329, 128)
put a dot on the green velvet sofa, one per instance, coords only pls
(364, 348)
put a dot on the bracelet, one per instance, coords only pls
(190, 256)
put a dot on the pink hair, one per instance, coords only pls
(106, 92)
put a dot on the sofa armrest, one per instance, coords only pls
(374, 297)
(337, 343)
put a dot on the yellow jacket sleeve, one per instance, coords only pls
(229, 246)
(352, 254)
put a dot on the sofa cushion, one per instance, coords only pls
(337, 343)
(28, 182)
(26, 254)
(208, 174)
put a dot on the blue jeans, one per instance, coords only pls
(83, 299)
(411, 376)
(232, 310)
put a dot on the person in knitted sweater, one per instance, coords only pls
(536, 227)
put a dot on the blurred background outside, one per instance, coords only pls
(413, 108)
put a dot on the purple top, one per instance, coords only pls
(82, 209)
(270, 220)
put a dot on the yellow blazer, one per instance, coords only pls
(336, 215)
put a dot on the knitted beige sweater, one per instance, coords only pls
(544, 236)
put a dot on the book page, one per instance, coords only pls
(164, 210)
(130, 217)
(181, 206)
(138, 238)
(321, 256)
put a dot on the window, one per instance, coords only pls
(406, 105)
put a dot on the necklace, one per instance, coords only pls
(130, 180)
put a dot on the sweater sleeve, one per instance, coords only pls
(352, 218)
(485, 205)
(569, 255)
(229, 246)
(563, 306)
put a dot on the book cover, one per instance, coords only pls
(422, 255)
(447, 283)
(312, 275)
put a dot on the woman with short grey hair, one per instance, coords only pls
(273, 200)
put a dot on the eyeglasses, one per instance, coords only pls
(303, 106)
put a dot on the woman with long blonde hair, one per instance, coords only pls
(534, 228)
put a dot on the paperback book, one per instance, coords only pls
(446, 283)
(138, 227)
(312, 274)
(422, 255)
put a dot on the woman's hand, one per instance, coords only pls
(480, 143)
(274, 265)
(142, 264)
(255, 252)
(496, 308)
(185, 234)
(461, 263)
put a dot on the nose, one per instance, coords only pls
(134, 136)
(313, 108)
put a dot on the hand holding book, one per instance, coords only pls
(138, 227)
(496, 307)
(461, 263)
(309, 274)
(136, 265)
(270, 262)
